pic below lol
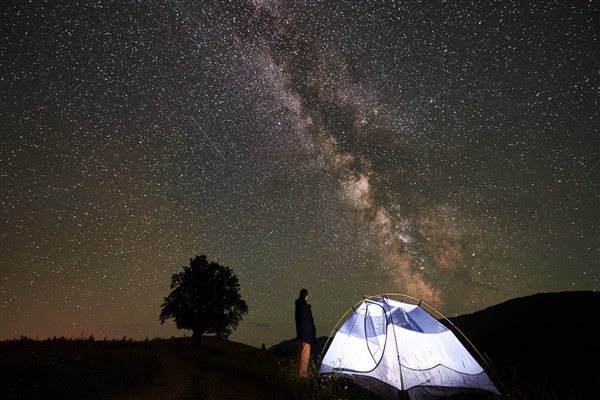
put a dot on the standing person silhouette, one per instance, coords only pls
(306, 332)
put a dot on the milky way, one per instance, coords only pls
(445, 150)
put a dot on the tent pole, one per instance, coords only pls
(335, 328)
(395, 343)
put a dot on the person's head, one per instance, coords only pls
(303, 294)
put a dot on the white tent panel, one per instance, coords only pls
(402, 347)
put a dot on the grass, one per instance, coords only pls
(74, 369)
(267, 372)
(89, 369)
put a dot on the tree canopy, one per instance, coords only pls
(205, 299)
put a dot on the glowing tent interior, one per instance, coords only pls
(395, 348)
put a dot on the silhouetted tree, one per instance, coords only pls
(204, 298)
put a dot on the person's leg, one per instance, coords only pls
(303, 357)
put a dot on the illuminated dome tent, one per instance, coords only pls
(392, 348)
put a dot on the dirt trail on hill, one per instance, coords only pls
(183, 380)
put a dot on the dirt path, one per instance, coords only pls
(182, 380)
(174, 381)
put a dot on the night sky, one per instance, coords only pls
(447, 150)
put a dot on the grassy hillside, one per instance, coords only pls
(74, 369)
(86, 369)
(543, 347)
(125, 370)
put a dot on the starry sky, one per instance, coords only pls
(448, 150)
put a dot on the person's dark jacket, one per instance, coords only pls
(305, 325)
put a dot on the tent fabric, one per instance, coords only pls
(387, 345)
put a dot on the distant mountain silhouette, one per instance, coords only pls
(546, 340)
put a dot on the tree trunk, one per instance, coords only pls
(197, 337)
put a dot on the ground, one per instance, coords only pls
(182, 379)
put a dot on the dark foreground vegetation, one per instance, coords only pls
(84, 369)
(87, 369)
(542, 347)
(74, 369)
